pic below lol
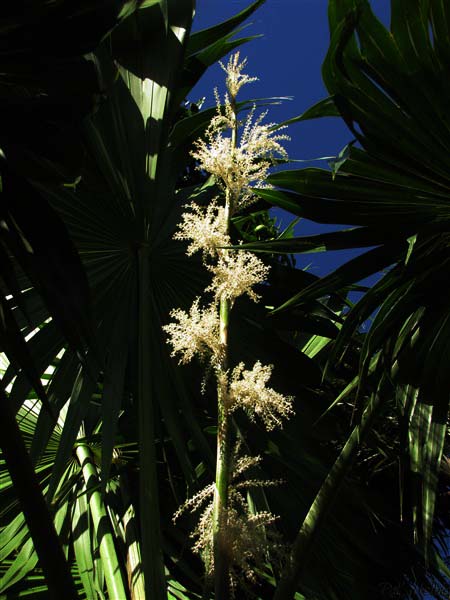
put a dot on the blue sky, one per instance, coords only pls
(287, 58)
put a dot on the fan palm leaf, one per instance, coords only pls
(120, 217)
(44, 96)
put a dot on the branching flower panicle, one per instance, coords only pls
(241, 464)
(205, 228)
(235, 78)
(249, 537)
(232, 540)
(239, 169)
(236, 274)
(194, 503)
(195, 333)
(248, 390)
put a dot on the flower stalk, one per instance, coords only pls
(220, 508)
(230, 536)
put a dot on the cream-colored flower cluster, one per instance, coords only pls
(248, 535)
(235, 78)
(235, 274)
(239, 169)
(248, 390)
(204, 227)
(238, 165)
(194, 333)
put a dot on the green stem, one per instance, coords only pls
(221, 552)
(100, 519)
(220, 511)
(221, 548)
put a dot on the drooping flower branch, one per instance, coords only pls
(247, 535)
(230, 538)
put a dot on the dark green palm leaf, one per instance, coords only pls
(392, 91)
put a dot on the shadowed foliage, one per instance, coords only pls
(91, 273)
